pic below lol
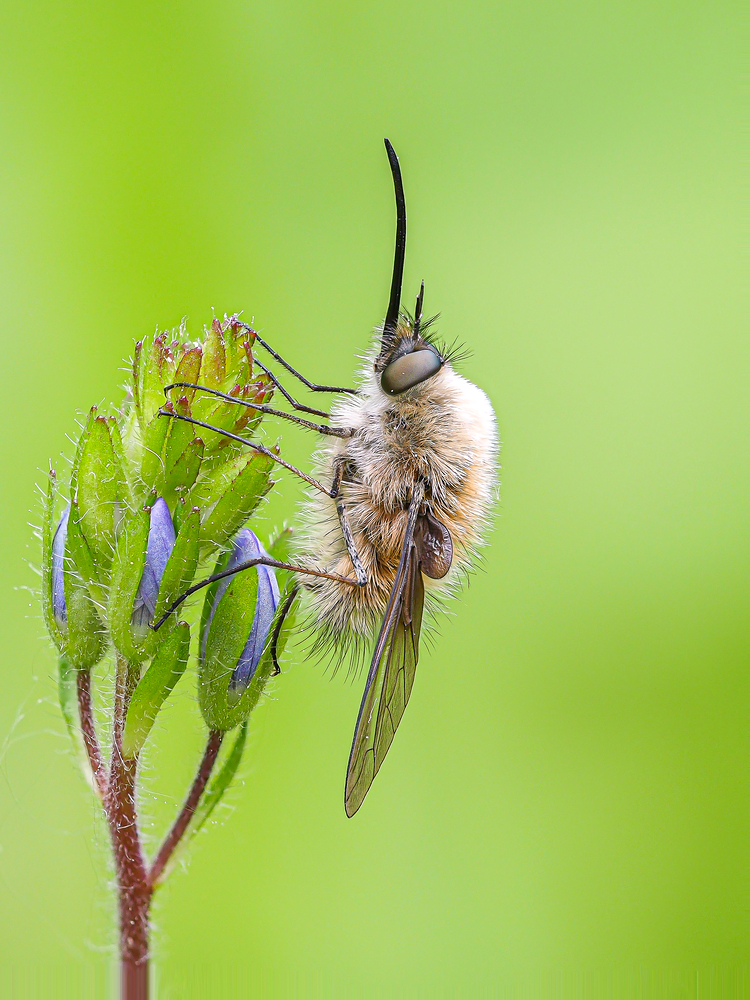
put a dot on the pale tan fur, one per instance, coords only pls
(442, 432)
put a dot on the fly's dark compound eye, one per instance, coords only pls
(409, 370)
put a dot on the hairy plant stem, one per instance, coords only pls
(88, 728)
(130, 867)
(182, 822)
(117, 790)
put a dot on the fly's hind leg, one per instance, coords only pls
(277, 630)
(339, 466)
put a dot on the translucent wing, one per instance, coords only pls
(391, 675)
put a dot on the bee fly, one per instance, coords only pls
(411, 459)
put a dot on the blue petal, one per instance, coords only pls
(161, 538)
(57, 559)
(265, 609)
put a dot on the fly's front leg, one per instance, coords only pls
(338, 474)
(312, 386)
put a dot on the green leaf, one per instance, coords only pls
(211, 797)
(67, 689)
(238, 501)
(48, 531)
(181, 566)
(127, 571)
(97, 489)
(154, 688)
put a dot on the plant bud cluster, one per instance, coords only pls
(152, 502)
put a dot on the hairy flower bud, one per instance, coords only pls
(237, 618)
(161, 539)
(246, 547)
(75, 623)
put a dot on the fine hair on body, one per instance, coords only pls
(440, 434)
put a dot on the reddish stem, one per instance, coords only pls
(88, 728)
(130, 867)
(180, 825)
(135, 883)
(132, 878)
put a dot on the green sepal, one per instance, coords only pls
(179, 435)
(238, 500)
(136, 381)
(97, 487)
(227, 636)
(152, 460)
(127, 571)
(232, 417)
(67, 690)
(180, 568)
(249, 698)
(48, 532)
(85, 636)
(211, 798)
(224, 709)
(222, 415)
(154, 688)
(155, 371)
(215, 478)
(81, 558)
(188, 370)
(182, 509)
(214, 367)
(238, 359)
(280, 548)
(280, 544)
(183, 474)
(125, 487)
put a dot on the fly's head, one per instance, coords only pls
(406, 357)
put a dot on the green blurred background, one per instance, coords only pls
(567, 794)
